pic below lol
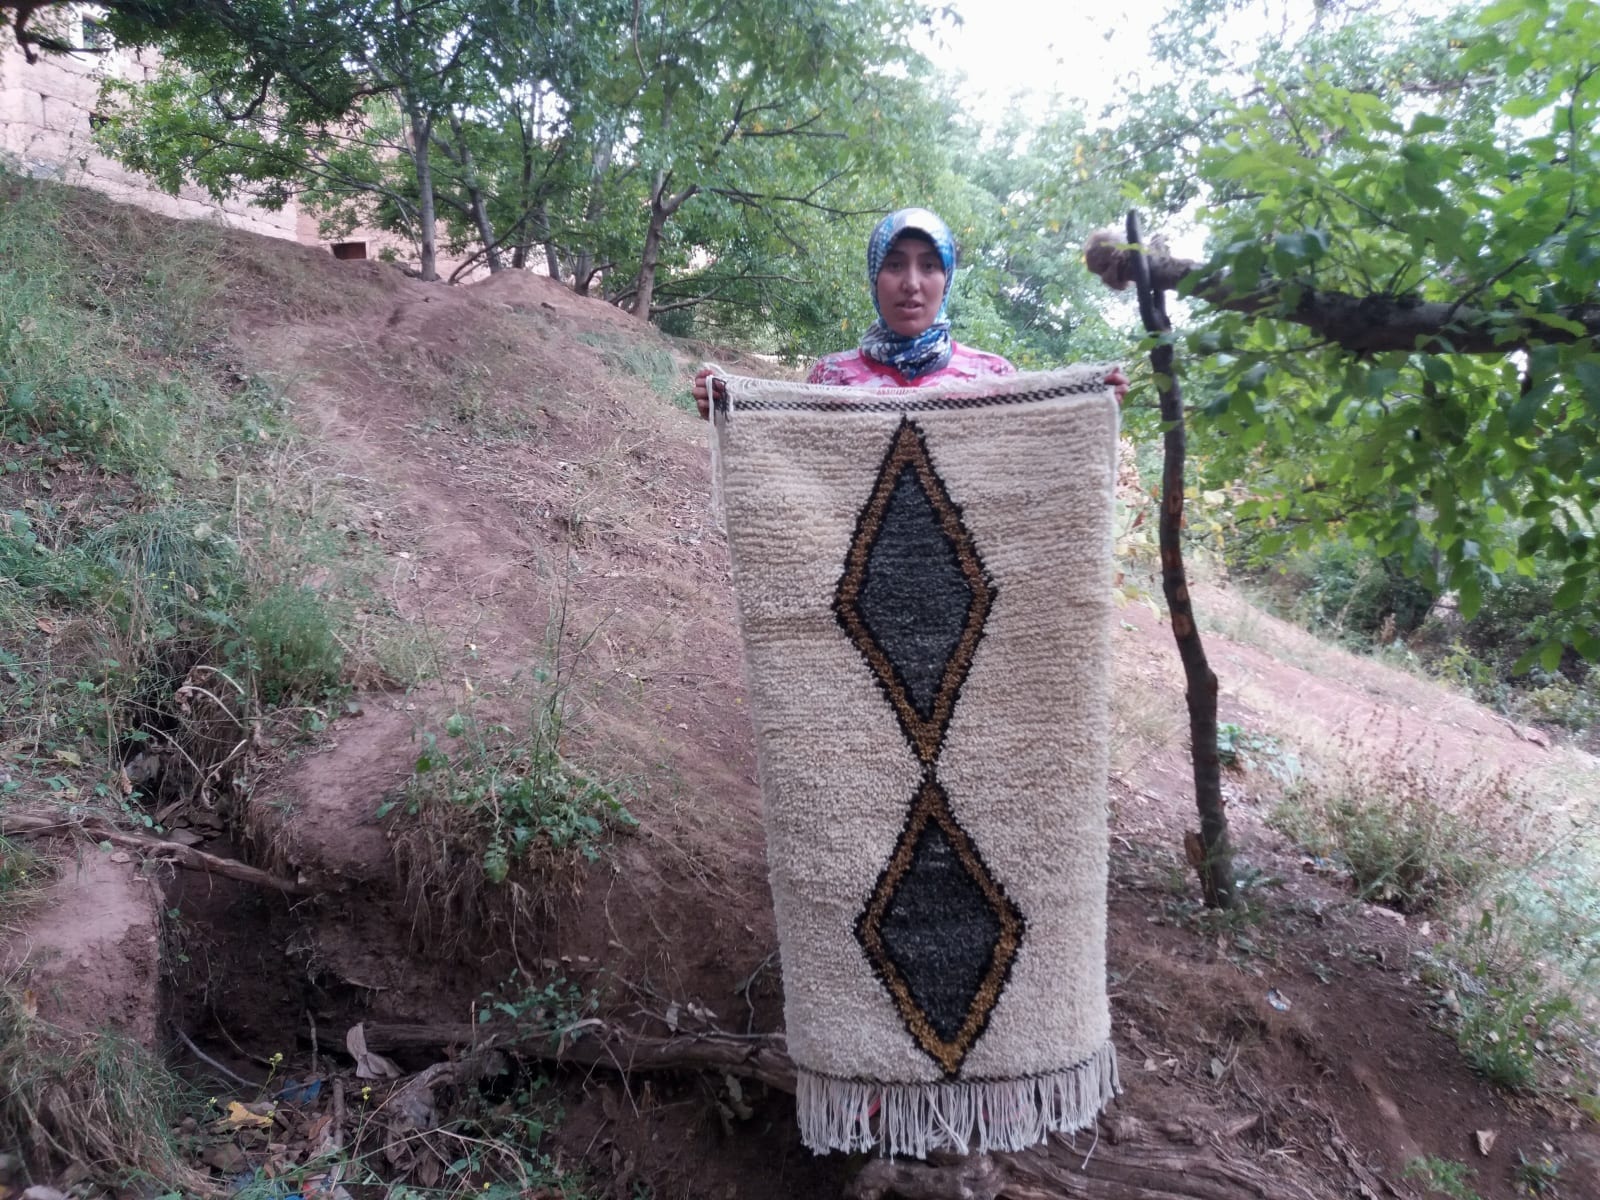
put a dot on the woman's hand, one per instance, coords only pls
(702, 392)
(1117, 380)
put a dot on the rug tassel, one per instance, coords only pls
(913, 1120)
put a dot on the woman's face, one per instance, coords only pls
(910, 285)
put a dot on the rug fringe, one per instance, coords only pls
(912, 1120)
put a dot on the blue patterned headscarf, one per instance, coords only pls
(930, 349)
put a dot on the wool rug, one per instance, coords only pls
(924, 596)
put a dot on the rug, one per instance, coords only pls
(924, 596)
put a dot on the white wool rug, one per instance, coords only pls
(924, 587)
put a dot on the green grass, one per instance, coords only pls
(152, 520)
(655, 365)
(1443, 1177)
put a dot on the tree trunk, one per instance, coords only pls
(644, 288)
(552, 259)
(662, 208)
(427, 217)
(1208, 851)
(480, 209)
(583, 264)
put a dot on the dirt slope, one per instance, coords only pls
(537, 504)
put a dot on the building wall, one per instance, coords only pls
(44, 131)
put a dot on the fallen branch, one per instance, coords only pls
(759, 1058)
(1124, 1159)
(156, 849)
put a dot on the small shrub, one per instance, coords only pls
(1560, 702)
(1443, 1176)
(289, 645)
(1410, 834)
(1345, 591)
(493, 823)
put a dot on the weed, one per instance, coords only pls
(1537, 1176)
(1409, 833)
(1249, 751)
(486, 1143)
(1443, 1176)
(22, 877)
(289, 645)
(653, 364)
(1144, 721)
(556, 1005)
(91, 1099)
(1520, 973)
(494, 819)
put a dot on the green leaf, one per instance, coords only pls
(1550, 654)
(1521, 418)
(1525, 106)
(1588, 374)
(1470, 597)
(1569, 593)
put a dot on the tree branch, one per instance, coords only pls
(1361, 324)
(159, 849)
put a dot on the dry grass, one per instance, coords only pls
(95, 1100)
(1410, 832)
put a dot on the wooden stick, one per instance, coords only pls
(26, 825)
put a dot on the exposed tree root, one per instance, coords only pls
(1124, 1159)
(154, 848)
(598, 1044)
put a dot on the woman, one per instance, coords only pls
(911, 260)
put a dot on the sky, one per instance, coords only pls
(1085, 51)
(1079, 48)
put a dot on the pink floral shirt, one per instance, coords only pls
(851, 368)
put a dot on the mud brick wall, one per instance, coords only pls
(44, 131)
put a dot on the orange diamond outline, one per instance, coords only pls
(932, 805)
(926, 734)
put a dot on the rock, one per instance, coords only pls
(225, 1157)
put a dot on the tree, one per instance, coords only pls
(1398, 323)
(346, 93)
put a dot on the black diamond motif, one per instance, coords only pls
(940, 931)
(915, 598)
(914, 595)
